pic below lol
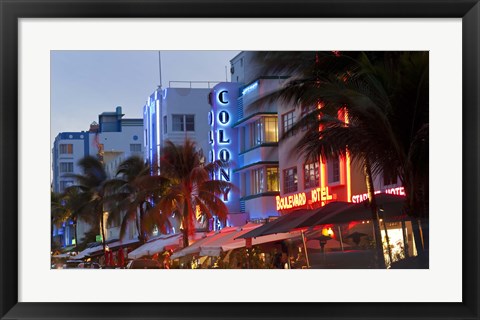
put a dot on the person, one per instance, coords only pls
(277, 261)
(284, 261)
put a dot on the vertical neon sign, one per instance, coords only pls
(223, 137)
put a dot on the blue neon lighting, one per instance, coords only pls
(250, 88)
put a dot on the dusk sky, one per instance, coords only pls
(87, 83)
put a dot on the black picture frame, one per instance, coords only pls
(12, 10)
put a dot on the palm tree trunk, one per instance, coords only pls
(373, 205)
(76, 238)
(139, 229)
(140, 226)
(415, 211)
(102, 227)
(186, 225)
(417, 237)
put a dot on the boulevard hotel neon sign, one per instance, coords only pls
(318, 195)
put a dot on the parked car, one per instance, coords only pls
(143, 264)
(89, 265)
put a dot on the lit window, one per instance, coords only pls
(264, 130)
(312, 175)
(288, 119)
(333, 170)
(290, 180)
(66, 167)
(260, 184)
(66, 148)
(272, 179)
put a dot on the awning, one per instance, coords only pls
(97, 248)
(391, 208)
(240, 243)
(228, 239)
(216, 246)
(155, 245)
(122, 243)
(282, 224)
(160, 244)
(327, 210)
(88, 251)
(195, 247)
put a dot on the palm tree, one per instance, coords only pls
(385, 98)
(91, 192)
(191, 187)
(137, 189)
(59, 213)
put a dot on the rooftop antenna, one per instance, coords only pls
(160, 68)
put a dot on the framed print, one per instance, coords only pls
(427, 266)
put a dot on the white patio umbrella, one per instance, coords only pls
(216, 246)
(195, 247)
(240, 243)
(155, 245)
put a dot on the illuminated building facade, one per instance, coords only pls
(224, 144)
(112, 140)
(174, 114)
(257, 130)
(274, 179)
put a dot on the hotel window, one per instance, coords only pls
(66, 167)
(260, 184)
(66, 148)
(183, 122)
(165, 124)
(264, 130)
(135, 147)
(290, 180)
(333, 166)
(305, 111)
(258, 181)
(287, 120)
(190, 122)
(312, 175)
(272, 179)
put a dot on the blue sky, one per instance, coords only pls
(86, 83)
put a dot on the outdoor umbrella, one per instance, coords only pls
(218, 245)
(285, 223)
(194, 248)
(156, 245)
(328, 210)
